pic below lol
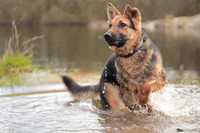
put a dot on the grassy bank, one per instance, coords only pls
(17, 58)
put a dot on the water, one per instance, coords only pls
(65, 47)
(83, 52)
(175, 108)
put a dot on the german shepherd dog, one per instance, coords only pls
(132, 72)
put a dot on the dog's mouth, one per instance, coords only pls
(114, 41)
(117, 43)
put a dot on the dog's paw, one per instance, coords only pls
(148, 107)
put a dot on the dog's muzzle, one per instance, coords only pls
(112, 40)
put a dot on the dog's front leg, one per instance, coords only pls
(113, 97)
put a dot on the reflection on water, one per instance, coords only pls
(80, 48)
(72, 47)
(182, 50)
(174, 109)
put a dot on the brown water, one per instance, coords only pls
(65, 47)
(77, 49)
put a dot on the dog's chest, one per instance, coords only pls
(131, 75)
(132, 70)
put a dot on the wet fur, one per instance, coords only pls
(132, 72)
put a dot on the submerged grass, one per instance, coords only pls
(17, 58)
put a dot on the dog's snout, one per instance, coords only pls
(115, 40)
(109, 37)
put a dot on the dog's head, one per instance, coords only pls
(125, 29)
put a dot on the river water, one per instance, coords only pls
(83, 52)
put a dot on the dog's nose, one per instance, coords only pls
(109, 37)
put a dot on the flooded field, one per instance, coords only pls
(82, 53)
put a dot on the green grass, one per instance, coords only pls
(12, 66)
(16, 63)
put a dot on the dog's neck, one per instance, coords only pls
(137, 48)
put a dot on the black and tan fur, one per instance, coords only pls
(133, 71)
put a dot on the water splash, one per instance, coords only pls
(178, 100)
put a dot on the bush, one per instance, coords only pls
(17, 58)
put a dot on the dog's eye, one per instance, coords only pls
(110, 25)
(122, 25)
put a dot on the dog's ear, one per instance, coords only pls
(133, 14)
(112, 11)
